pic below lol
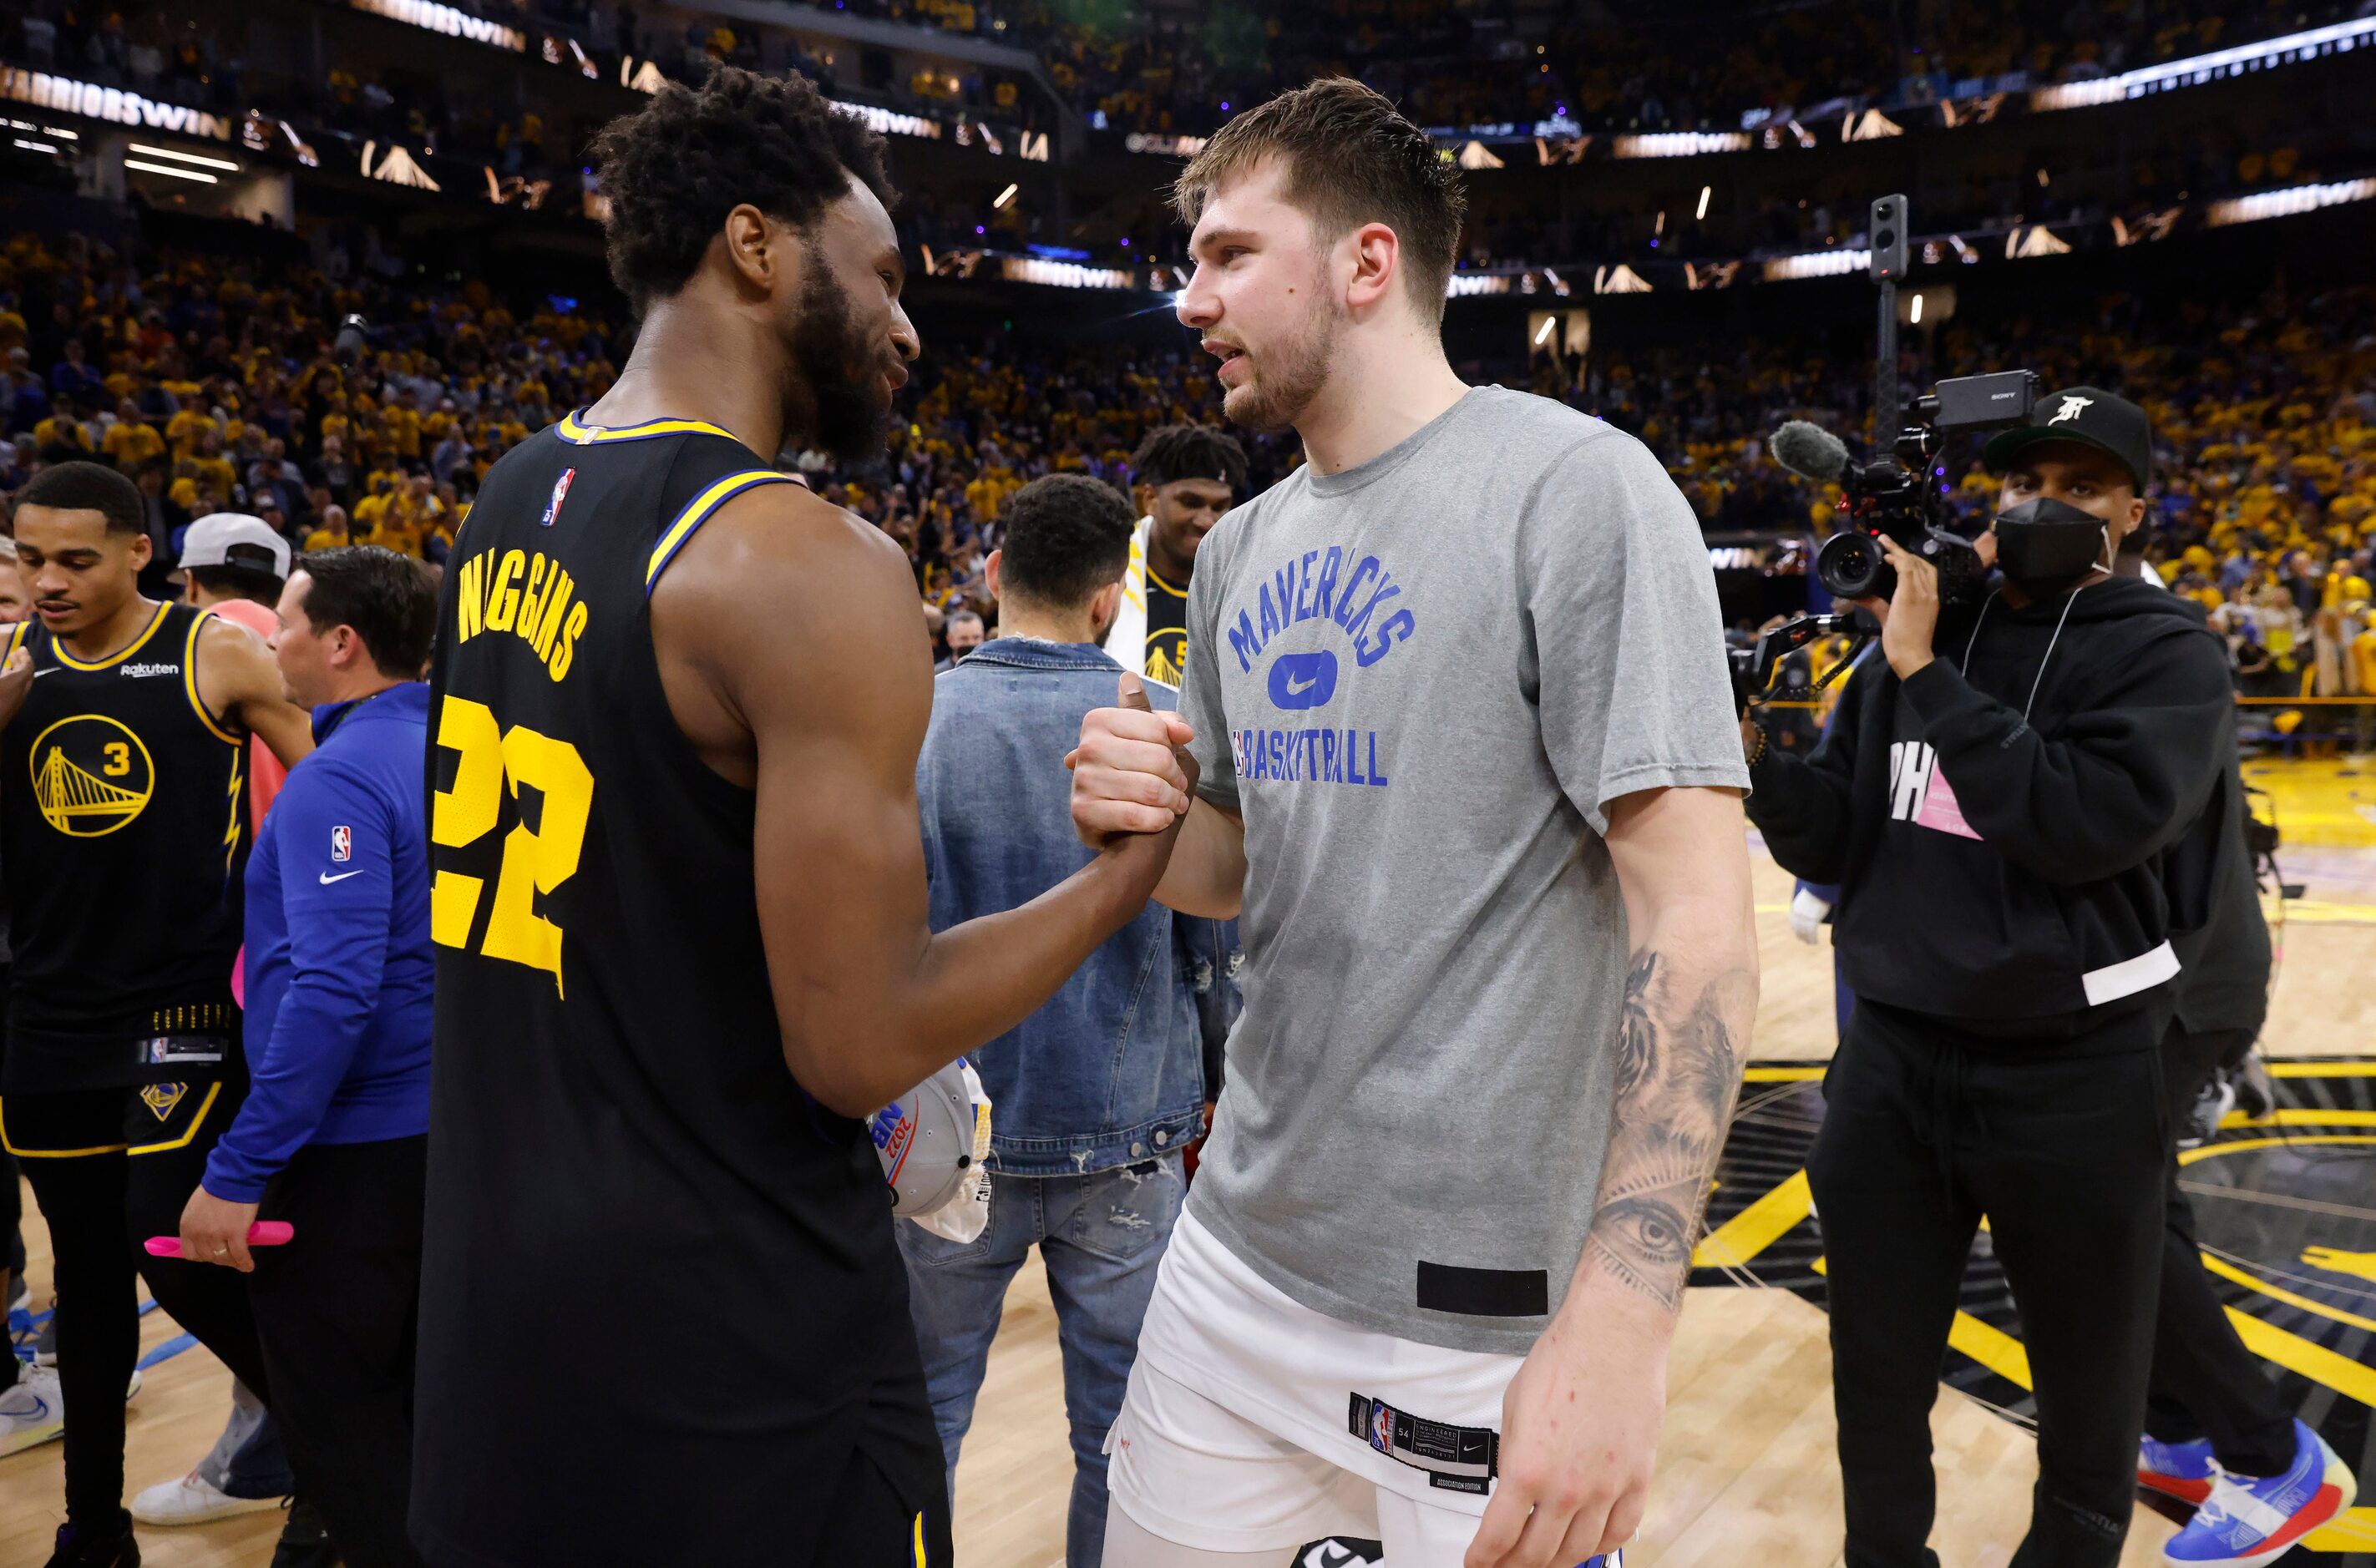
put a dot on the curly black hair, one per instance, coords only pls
(1189, 451)
(673, 170)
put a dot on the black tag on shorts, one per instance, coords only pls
(1455, 1458)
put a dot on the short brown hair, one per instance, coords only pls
(1349, 159)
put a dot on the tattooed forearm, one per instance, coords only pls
(1678, 1071)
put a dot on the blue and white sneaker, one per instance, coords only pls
(2182, 1470)
(32, 1410)
(2249, 1521)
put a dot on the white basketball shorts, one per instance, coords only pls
(1255, 1423)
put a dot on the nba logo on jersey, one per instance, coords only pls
(342, 843)
(560, 494)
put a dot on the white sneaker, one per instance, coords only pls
(194, 1500)
(33, 1411)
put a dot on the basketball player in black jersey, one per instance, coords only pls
(123, 817)
(680, 905)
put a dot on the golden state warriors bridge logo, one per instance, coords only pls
(91, 775)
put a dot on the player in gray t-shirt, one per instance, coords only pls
(1469, 771)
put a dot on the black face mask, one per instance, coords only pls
(2045, 546)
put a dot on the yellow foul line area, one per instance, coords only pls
(1766, 1220)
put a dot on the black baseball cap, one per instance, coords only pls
(2088, 415)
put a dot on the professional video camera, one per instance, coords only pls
(1901, 496)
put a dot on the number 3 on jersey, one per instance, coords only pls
(492, 761)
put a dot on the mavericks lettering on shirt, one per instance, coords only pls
(1315, 585)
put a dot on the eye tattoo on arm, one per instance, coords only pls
(1678, 1073)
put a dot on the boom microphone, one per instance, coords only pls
(1810, 451)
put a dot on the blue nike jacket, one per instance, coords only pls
(338, 968)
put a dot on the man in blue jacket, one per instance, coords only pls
(1095, 1095)
(333, 1135)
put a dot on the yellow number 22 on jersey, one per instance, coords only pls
(493, 760)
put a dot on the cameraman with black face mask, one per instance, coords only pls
(1994, 801)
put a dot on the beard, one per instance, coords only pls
(849, 419)
(1288, 378)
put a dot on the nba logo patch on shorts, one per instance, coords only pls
(560, 494)
(1455, 1458)
(342, 843)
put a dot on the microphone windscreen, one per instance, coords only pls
(1810, 450)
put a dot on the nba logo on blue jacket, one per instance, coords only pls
(342, 843)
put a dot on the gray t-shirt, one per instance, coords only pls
(1422, 680)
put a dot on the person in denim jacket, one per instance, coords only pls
(1094, 1096)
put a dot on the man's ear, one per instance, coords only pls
(1103, 609)
(990, 573)
(764, 253)
(1377, 257)
(2136, 520)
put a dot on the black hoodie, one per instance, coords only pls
(2031, 889)
(2216, 926)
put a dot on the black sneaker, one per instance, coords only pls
(2213, 1101)
(2255, 1094)
(304, 1542)
(79, 1546)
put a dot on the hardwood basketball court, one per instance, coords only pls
(1745, 1472)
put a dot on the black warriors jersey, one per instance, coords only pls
(613, 1118)
(123, 819)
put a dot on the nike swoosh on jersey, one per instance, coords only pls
(327, 878)
(1302, 687)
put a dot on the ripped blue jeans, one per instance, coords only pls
(1101, 1237)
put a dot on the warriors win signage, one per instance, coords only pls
(93, 101)
(448, 20)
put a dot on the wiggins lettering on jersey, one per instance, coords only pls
(526, 594)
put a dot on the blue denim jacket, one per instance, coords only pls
(1111, 1070)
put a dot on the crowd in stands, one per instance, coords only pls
(2269, 518)
(199, 54)
(1648, 68)
(1138, 68)
(222, 388)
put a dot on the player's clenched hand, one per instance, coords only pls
(1579, 1435)
(1129, 774)
(15, 680)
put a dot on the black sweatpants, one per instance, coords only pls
(2063, 1145)
(2205, 1383)
(110, 1171)
(12, 1247)
(335, 1310)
